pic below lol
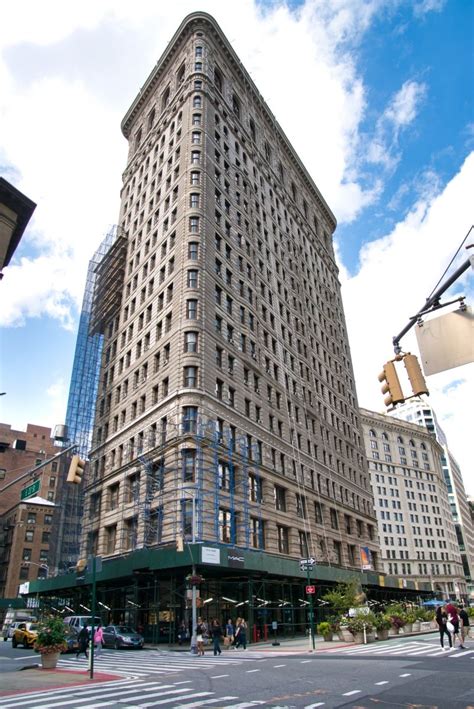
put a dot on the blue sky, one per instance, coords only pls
(376, 97)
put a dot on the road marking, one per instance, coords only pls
(166, 701)
(149, 688)
(219, 676)
(185, 681)
(354, 691)
(304, 662)
(384, 682)
(407, 674)
(249, 671)
(196, 705)
(313, 706)
(274, 666)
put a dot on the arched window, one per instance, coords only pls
(412, 443)
(218, 80)
(399, 439)
(267, 149)
(138, 138)
(236, 105)
(253, 132)
(151, 118)
(384, 436)
(372, 433)
(165, 99)
(180, 74)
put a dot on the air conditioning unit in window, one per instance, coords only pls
(230, 341)
(257, 391)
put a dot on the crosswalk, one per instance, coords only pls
(412, 648)
(126, 694)
(156, 662)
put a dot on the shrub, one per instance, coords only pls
(51, 636)
(397, 621)
(382, 622)
(357, 625)
(325, 629)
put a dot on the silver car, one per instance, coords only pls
(122, 636)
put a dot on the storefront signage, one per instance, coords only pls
(210, 555)
(235, 560)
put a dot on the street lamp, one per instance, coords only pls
(41, 566)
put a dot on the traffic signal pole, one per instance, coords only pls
(311, 613)
(38, 467)
(431, 303)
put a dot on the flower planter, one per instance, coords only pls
(345, 635)
(327, 638)
(394, 630)
(408, 628)
(382, 634)
(425, 626)
(49, 660)
(359, 638)
(416, 626)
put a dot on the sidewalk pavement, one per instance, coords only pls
(35, 679)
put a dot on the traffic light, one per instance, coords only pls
(415, 375)
(76, 470)
(392, 385)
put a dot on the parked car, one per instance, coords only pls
(78, 621)
(122, 636)
(25, 634)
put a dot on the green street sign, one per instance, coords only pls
(30, 490)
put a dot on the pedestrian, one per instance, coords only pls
(83, 642)
(236, 633)
(454, 619)
(442, 620)
(200, 629)
(229, 633)
(98, 638)
(241, 634)
(465, 625)
(216, 632)
(182, 633)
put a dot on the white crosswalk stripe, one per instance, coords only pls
(156, 662)
(406, 649)
(131, 693)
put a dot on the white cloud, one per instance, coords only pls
(401, 110)
(396, 275)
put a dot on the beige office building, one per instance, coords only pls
(416, 530)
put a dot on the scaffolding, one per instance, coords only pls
(81, 408)
(164, 501)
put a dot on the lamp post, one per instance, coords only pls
(193, 587)
(41, 566)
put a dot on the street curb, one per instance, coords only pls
(98, 677)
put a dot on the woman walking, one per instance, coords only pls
(216, 632)
(442, 619)
(229, 633)
(454, 619)
(98, 638)
(200, 631)
(241, 634)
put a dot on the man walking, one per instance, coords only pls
(465, 626)
(83, 642)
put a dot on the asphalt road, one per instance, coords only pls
(385, 677)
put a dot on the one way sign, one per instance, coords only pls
(307, 562)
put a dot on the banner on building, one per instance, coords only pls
(366, 559)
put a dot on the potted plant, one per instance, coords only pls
(51, 641)
(382, 626)
(326, 630)
(397, 622)
(410, 618)
(357, 626)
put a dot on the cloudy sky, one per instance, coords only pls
(376, 96)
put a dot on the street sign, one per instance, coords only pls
(310, 589)
(30, 490)
(307, 562)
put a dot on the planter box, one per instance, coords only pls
(345, 635)
(382, 634)
(49, 660)
(393, 631)
(327, 638)
(416, 626)
(425, 626)
(408, 628)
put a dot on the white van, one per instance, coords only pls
(78, 621)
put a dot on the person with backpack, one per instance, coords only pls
(83, 642)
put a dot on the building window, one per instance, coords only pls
(193, 250)
(303, 540)
(338, 552)
(300, 506)
(110, 536)
(255, 488)
(195, 176)
(195, 157)
(31, 518)
(29, 535)
(193, 278)
(334, 519)
(280, 498)
(191, 309)
(26, 556)
(196, 137)
(188, 457)
(191, 341)
(190, 414)
(257, 533)
(196, 119)
(113, 496)
(131, 530)
(283, 545)
(226, 478)
(226, 527)
(187, 519)
(194, 224)
(45, 537)
(190, 377)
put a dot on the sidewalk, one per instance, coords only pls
(35, 679)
